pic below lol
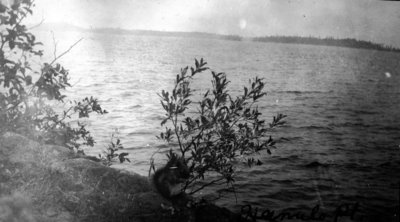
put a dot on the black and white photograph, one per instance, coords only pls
(197, 111)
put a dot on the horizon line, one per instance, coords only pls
(91, 29)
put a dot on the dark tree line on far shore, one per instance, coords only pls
(329, 41)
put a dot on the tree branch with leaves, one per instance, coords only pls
(28, 94)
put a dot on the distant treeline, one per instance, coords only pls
(351, 43)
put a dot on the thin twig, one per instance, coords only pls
(37, 25)
(234, 191)
(152, 160)
(55, 45)
(69, 49)
(72, 85)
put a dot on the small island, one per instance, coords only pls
(329, 41)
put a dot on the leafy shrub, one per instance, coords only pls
(29, 93)
(217, 130)
(110, 154)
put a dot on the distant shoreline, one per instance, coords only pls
(348, 42)
(167, 33)
(328, 41)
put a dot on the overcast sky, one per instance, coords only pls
(377, 21)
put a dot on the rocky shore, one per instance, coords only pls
(51, 183)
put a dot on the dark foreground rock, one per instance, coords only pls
(50, 183)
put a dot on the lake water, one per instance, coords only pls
(343, 108)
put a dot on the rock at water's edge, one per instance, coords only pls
(63, 186)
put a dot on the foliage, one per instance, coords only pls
(111, 154)
(28, 91)
(217, 130)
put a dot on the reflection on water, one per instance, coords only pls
(342, 106)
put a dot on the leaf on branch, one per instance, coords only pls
(122, 157)
(164, 121)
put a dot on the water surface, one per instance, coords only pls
(343, 108)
